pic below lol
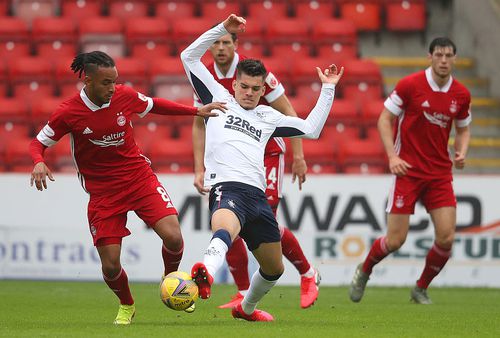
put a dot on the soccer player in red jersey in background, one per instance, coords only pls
(224, 71)
(423, 107)
(111, 167)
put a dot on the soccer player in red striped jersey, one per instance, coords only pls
(223, 68)
(111, 167)
(423, 107)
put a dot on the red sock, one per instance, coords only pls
(119, 285)
(435, 261)
(293, 252)
(237, 259)
(171, 259)
(378, 252)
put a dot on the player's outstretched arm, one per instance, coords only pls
(206, 87)
(311, 127)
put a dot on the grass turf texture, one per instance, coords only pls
(87, 309)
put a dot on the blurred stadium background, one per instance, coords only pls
(378, 41)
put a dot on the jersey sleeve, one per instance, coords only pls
(289, 126)
(55, 128)
(274, 88)
(138, 102)
(398, 100)
(202, 81)
(464, 116)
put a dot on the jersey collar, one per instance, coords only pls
(231, 71)
(91, 105)
(434, 86)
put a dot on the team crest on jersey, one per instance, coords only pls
(271, 81)
(399, 202)
(121, 120)
(453, 106)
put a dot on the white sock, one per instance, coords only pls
(259, 286)
(243, 292)
(309, 273)
(215, 255)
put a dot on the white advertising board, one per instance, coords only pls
(44, 235)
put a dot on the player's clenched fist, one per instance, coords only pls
(235, 24)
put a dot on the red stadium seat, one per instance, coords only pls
(54, 37)
(289, 38)
(41, 111)
(359, 71)
(127, 9)
(339, 133)
(344, 112)
(68, 90)
(309, 10)
(151, 132)
(304, 70)
(219, 10)
(14, 109)
(134, 73)
(60, 155)
(3, 79)
(320, 155)
(335, 39)
(405, 15)
(172, 155)
(81, 9)
(10, 50)
(4, 6)
(370, 112)
(29, 9)
(279, 67)
(185, 31)
(362, 92)
(17, 154)
(67, 82)
(366, 14)
(32, 76)
(362, 153)
(172, 10)
(267, 11)
(14, 38)
(148, 37)
(169, 80)
(104, 34)
(251, 49)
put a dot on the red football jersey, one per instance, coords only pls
(107, 158)
(274, 89)
(425, 114)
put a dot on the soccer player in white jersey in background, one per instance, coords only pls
(234, 161)
(424, 106)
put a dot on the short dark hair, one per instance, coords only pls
(88, 62)
(442, 42)
(251, 67)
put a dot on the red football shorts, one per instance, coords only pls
(433, 194)
(275, 166)
(107, 214)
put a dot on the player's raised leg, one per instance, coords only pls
(116, 278)
(237, 260)
(397, 229)
(225, 227)
(444, 220)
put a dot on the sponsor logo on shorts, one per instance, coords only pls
(231, 204)
(399, 202)
(93, 230)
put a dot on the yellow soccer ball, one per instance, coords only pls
(178, 291)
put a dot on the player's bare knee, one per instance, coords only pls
(394, 244)
(445, 242)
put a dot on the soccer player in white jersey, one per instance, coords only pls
(234, 154)
(424, 106)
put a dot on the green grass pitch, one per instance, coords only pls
(87, 309)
